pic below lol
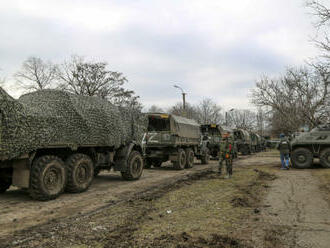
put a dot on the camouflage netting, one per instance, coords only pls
(51, 117)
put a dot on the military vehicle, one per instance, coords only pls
(174, 138)
(309, 145)
(53, 141)
(213, 134)
(243, 141)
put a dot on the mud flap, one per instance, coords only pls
(21, 173)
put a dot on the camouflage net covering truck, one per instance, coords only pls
(313, 144)
(173, 138)
(243, 140)
(52, 141)
(213, 134)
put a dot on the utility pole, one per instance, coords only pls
(226, 116)
(183, 97)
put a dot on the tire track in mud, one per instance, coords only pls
(19, 212)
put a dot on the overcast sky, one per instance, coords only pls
(211, 48)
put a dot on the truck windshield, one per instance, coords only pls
(158, 124)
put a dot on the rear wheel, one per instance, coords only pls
(134, 166)
(302, 158)
(80, 173)
(190, 158)
(180, 163)
(48, 177)
(325, 158)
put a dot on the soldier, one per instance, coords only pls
(284, 148)
(226, 154)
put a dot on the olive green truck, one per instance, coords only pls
(52, 141)
(174, 138)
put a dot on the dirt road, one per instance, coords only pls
(261, 206)
(295, 212)
(19, 211)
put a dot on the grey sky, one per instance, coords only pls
(211, 48)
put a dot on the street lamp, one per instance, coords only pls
(227, 115)
(183, 95)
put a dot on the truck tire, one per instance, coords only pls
(301, 158)
(180, 163)
(80, 173)
(47, 178)
(205, 158)
(189, 158)
(4, 185)
(134, 166)
(325, 158)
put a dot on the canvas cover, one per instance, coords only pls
(185, 127)
(55, 118)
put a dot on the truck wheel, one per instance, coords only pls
(325, 158)
(47, 179)
(180, 163)
(4, 185)
(190, 158)
(302, 158)
(205, 158)
(134, 166)
(80, 173)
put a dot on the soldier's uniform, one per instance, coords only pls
(226, 154)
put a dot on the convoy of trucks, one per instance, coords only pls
(52, 141)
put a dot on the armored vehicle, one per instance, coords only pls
(213, 134)
(53, 141)
(309, 145)
(243, 141)
(174, 138)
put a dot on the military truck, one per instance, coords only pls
(243, 141)
(176, 139)
(213, 134)
(309, 145)
(53, 141)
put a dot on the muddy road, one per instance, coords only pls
(261, 206)
(18, 211)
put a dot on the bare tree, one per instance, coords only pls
(208, 112)
(298, 98)
(242, 118)
(189, 111)
(94, 79)
(36, 74)
(322, 12)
